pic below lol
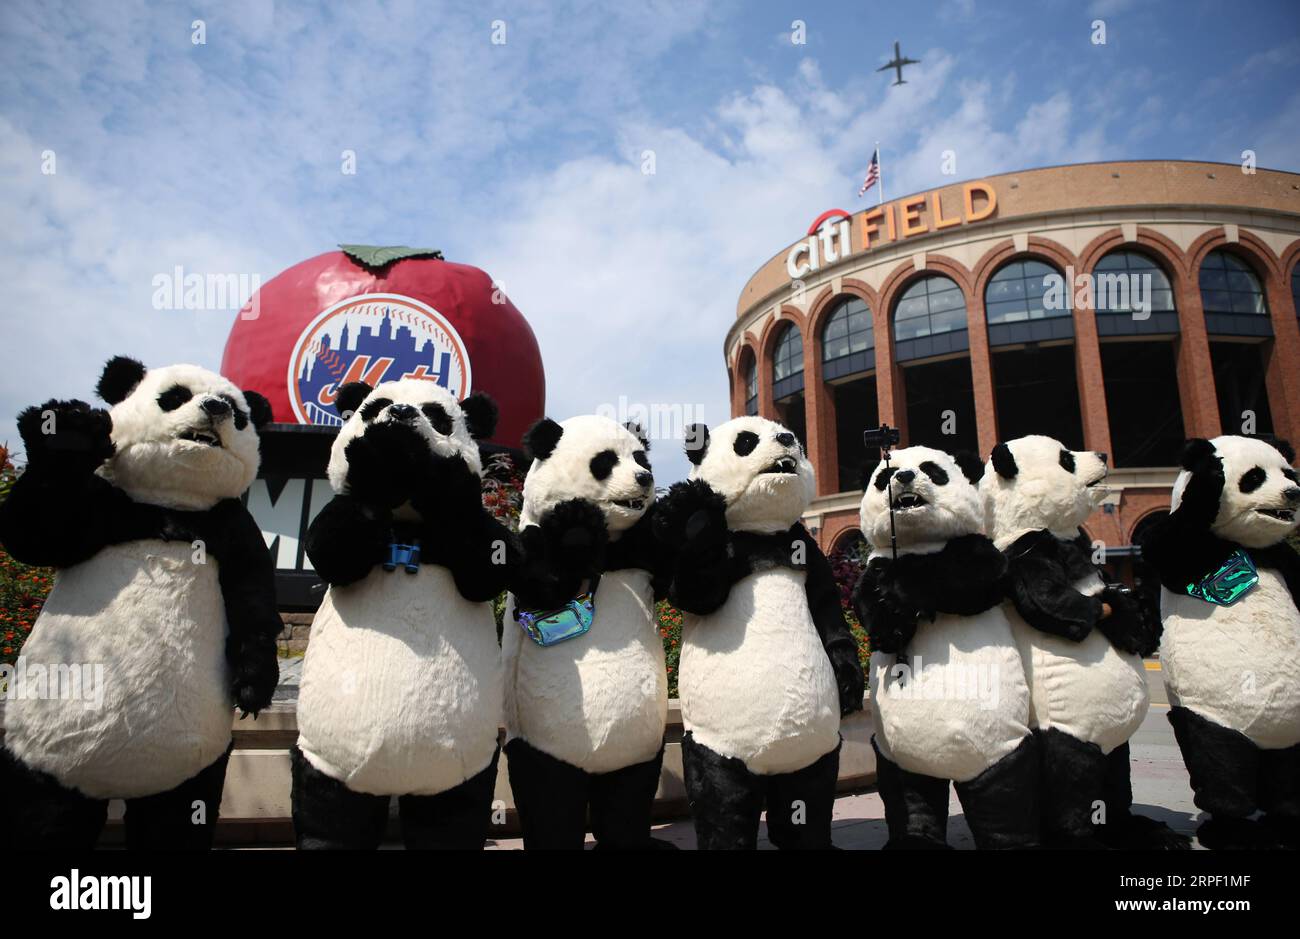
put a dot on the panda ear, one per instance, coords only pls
(480, 415)
(971, 466)
(1004, 463)
(1281, 446)
(541, 439)
(259, 409)
(635, 429)
(697, 442)
(120, 376)
(1195, 453)
(350, 397)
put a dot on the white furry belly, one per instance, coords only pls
(1086, 689)
(599, 701)
(962, 704)
(401, 686)
(152, 623)
(755, 681)
(1237, 665)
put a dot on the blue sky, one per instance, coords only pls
(525, 158)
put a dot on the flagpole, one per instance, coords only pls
(880, 172)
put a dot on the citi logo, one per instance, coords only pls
(104, 892)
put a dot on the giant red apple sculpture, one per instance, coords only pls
(379, 314)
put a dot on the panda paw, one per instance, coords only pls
(449, 489)
(67, 435)
(692, 514)
(849, 677)
(1126, 628)
(256, 674)
(575, 536)
(385, 463)
(1200, 501)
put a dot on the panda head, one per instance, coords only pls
(758, 467)
(1035, 483)
(934, 496)
(592, 458)
(184, 437)
(448, 427)
(1260, 497)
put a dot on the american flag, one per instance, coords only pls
(873, 173)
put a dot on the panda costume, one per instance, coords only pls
(585, 715)
(949, 696)
(768, 664)
(401, 685)
(164, 583)
(1230, 652)
(1081, 642)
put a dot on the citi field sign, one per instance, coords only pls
(373, 338)
(831, 235)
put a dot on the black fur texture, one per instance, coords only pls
(561, 555)
(119, 377)
(1002, 803)
(259, 409)
(972, 467)
(916, 806)
(965, 578)
(541, 439)
(697, 443)
(1004, 462)
(1181, 546)
(350, 397)
(637, 431)
(481, 415)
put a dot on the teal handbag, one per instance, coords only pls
(1229, 583)
(548, 628)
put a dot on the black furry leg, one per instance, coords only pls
(916, 806)
(1279, 794)
(327, 815)
(1002, 803)
(726, 799)
(1223, 766)
(800, 804)
(181, 819)
(1071, 789)
(1124, 829)
(455, 820)
(621, 804)
(550, 797)
(37, 813)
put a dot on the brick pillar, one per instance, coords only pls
(766, 402)
(1196, 392)
(891, 401)
(1282, 377)
(819, 418)
(981, 367)
(1091, 382)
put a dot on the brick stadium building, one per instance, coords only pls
(940, 319)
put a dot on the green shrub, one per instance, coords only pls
(23, 589)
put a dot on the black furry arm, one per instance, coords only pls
(59, 512)
(884, 612)
(565, 548)
(1182, 546)
(691, 522)
(828, 616)
(1282, 558)
(347, 539)
(482, 555)
(638, 547)
(1127, 628)
(247, 576)
(1041, 585)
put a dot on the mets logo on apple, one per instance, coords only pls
(372, 338)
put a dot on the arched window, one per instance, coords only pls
(931, 306)
(1132, 296)
(1017, 291)
(1228, 285)
(751, 386)
(787, 363)
(848, 340)
(1295, 288)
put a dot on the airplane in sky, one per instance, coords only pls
(897, 64)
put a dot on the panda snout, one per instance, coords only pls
(403, 412)
(644, 480)
(905, 476)
(215, 408)
(785, 439)
(1291, 494)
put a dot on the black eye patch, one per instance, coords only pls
(1067, 461)
(642, 460)
(370, 410)
(603, 463)
(745, 443)
(935, 472)
(241, 418)
(1252, 479)
(174, 397)
(438, 417)
(882, 480)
